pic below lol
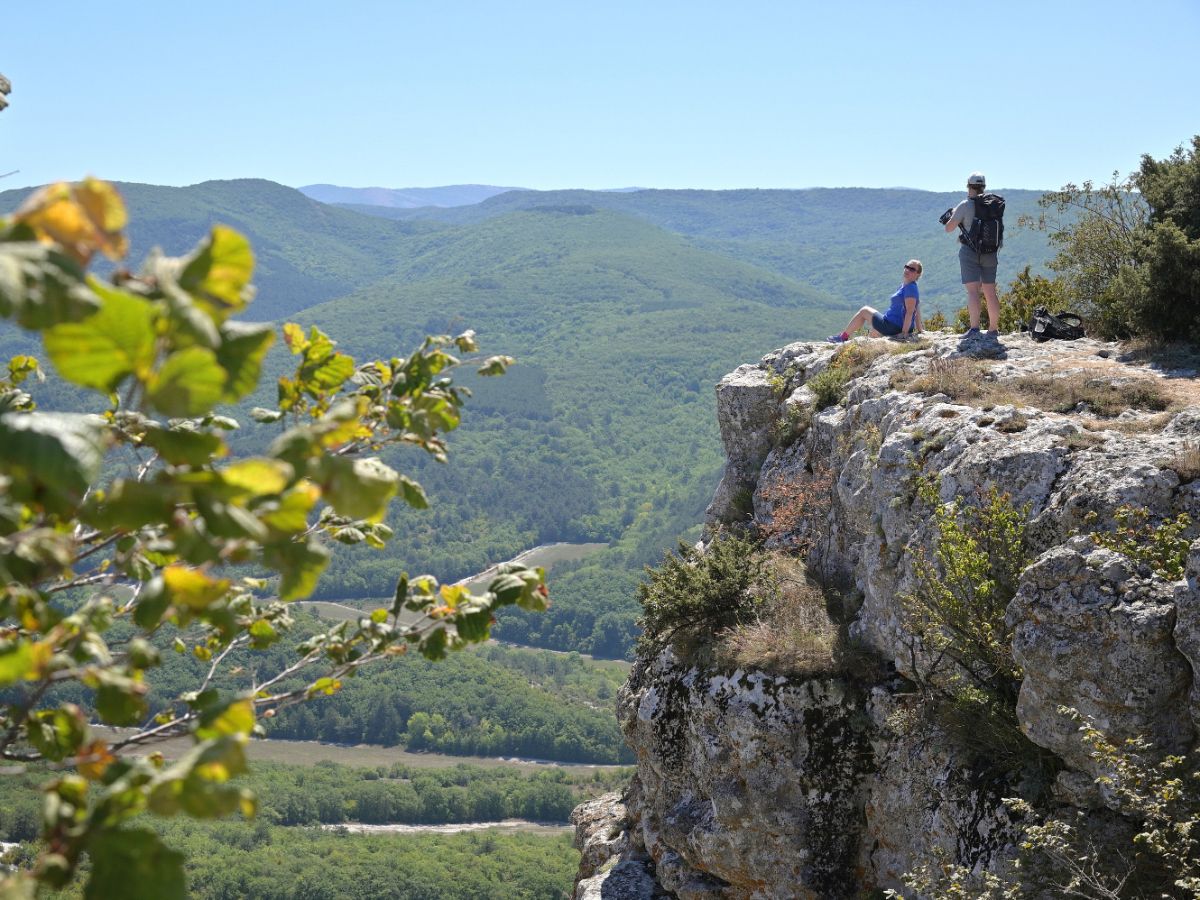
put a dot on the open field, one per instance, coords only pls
(509, 826)
(307, 753)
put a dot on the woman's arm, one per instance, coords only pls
(910, 309)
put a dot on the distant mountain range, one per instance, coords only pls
(404, 198)
(450, 195)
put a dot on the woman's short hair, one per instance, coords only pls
(916, 264)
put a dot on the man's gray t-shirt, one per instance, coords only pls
(964, 212)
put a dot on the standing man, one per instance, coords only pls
(980, 220)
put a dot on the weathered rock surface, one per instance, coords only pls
(752, 786)
(747, 780)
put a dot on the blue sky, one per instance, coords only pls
(596, 95)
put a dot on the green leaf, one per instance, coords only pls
(132, 504)
(120, 701)
(182, 447)
(299, 563)
(52, 458)
(198, 783)
(113, 343)
(433, 645)
(328, 374)
(507, 588)
(17, 660)
(133, 864)
(495, 365)
(256, 476)
(190, 322)
(241, 353)
(290, 514)
(472, 621)
(218, 272)
(152, 604)
(413, 493)
(349, 535)
(262, 634)
(358, 488)
(40, 286)
(57, 733)
(233, 718)
(193, 589)
(190, 383)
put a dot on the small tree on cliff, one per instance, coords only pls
(1129, 250)
(122, 526)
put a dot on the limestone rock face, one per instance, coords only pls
(1187, 626)
(1095, 635)
(751, 786)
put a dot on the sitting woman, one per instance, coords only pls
(902, 318)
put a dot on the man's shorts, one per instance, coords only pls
(884, 326)
(976, 266)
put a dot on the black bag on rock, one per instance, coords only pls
(1048, 326)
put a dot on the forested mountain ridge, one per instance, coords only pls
(842, 240)
(620, 328)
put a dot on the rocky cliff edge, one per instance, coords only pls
(754, 785)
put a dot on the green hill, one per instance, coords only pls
(849, 242)
(307, 252)
(604, 431)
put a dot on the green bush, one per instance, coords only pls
(1025, 293)
(1129, 251)
(697, 594)
(848, 362)
(1161, 545)
(957, 613)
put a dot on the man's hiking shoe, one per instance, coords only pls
(971, 334)
(837, 339)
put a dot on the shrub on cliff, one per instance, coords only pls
(1129, 250)
(962, 655)
(696, 594)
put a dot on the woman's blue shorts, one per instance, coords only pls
(884, 326)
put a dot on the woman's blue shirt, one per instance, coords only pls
(895, 313)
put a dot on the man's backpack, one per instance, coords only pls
(1048, 326)
(986, 234)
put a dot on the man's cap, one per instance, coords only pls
(977, 178)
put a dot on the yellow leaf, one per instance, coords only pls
(237, 718)
(94, 760)
(83, 218)
(453, 593)
(192, 588)
(293, 334)
(258, 476)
